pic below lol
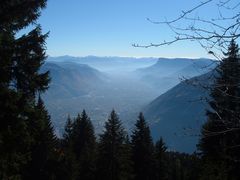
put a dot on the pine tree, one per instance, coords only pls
(68, 130)
(112, 156)
(220, 141)
(142, 150)
(84, 146)
(68, 165)
(127, 163)
(161, 161)
(43, 147)
(20, 80)
(79, 147)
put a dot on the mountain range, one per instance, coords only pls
(128, 85)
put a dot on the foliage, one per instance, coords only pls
(79, 144)
(20, 81)
(112, 153)
(142, 149)
(221, 133)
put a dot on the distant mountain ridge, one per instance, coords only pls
(167, 73)
(108, 63)
(76, 86)
(71, 79)
(100, 85)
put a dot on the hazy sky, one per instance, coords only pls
(110, 27)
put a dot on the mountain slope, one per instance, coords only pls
(108, 64)
(76, 86)
(178, 114)
(167, 73)
(71, 79)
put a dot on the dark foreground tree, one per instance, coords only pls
(220, 141)
(160, 160)
(113, 160)
(79, 147)
(181, 166)
(84, 146)
(142, 150)
(20, 81)
(43, 146)
(67, 166)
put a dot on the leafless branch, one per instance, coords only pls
(213, 33)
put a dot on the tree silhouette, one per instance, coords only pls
(84, 146)
(20, 81)
(161, 161)
(112, 152)
(220, 141)
(142, 150)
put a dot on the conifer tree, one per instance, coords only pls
(112, 159)
(84, 146)
(43, 146)
(79, 146)
(20, 80)
(68, 165)
(68, 130)
(142, 150)
(127, 163)
(160, 160)
(220, 141)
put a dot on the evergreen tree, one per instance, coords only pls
(20, 80)
(113, 161)
(43, 147)
(84, 146)
(67, 166)
(127, 163)
(68, 130)
(161, 161)
(220, 141)
(142, 149)
(79, 146)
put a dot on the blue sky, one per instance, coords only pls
(110, 27)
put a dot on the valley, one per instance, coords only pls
(128, 85)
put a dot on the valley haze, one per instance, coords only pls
(128, 85)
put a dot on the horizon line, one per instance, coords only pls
(136, 57)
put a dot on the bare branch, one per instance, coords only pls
(213, 33)
(184, 13)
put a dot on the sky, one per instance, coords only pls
(110, 27)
